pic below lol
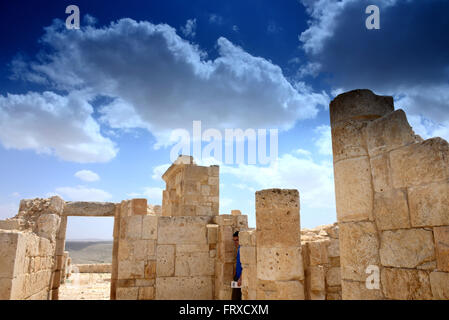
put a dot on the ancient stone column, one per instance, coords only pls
(392, 200)
(280, 273)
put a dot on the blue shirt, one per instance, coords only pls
(238, 266)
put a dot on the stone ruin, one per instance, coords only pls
(391, 240)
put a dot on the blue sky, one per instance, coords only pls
(87, 114)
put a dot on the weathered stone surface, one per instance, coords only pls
(420, 163)
(194, 264)
(391, 210)
(127, 293)
(47, 225)
(353, 189)
(131, 269)
(441, 235)
(348, 140)
(9, 241)
(317, 278)
(277, 215)
(389, 132)
(279, 264)
(406, 284)
(247, 255)
(89, 209)
(358, 249)
(133, 226)
(184, 288)
(182, 230)
(333, 250)
(359, 104)
(165, 260)
(283, 290)
(439, 282)
(317, 251)
(407, 248)
(354, 290)
(212, 233)
(429, 204)
(149, 227)
(380, 172)
(333, 276)
(247, 237)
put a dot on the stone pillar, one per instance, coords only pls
(280, 272)
(248, 259)
(136, 254)
(392, 197)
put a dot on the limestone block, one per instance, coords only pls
(249, 277)
(194, 264)
(333, 296)
(213, 171)
(182, 288)
(56, 205)
(317, 252)
(247, 255)
(82, 208)
(165, 260)
(225, 234)
(127, 293)
(247, 237)
(149, 227)
(388, 133)
(212, 233)
(359, 104)
(441, 235)
(277, 227)
(333, 250)
(150, 269)
(317, 295)
(45, 247)
(317, 278)
(224, 220)
(354, 290)
(226, 252)
(420, 163)
(131, 269)
(47, 225)
(124, 250)
(9, 241)
(405, 284)
(279, 263)
(188, 248)
(359, 247)
(224, 294)
(407, 248)
(353, 189)
(380, 172)
(146, 293)
(429, 204)
(280, 290)
(391, 210)
(224, 272)
(241, 221)
(133, 226)
(182, 230)
(5, 288)
(348, 140)
(439, 282)
(236, 212)
(333, 276)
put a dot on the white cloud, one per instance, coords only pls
(324, 140)
(87, 175)
(158, 171)
(314, 181)
(82, 193)
(215, 19)
(189, 30)
(53, 124)
(153, 194)
(147, 68)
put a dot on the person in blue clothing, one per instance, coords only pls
(237, 292)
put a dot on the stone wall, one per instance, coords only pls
(29, 265)
(392, 196)
(133, 271)
(321, 256)
(92, 268)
